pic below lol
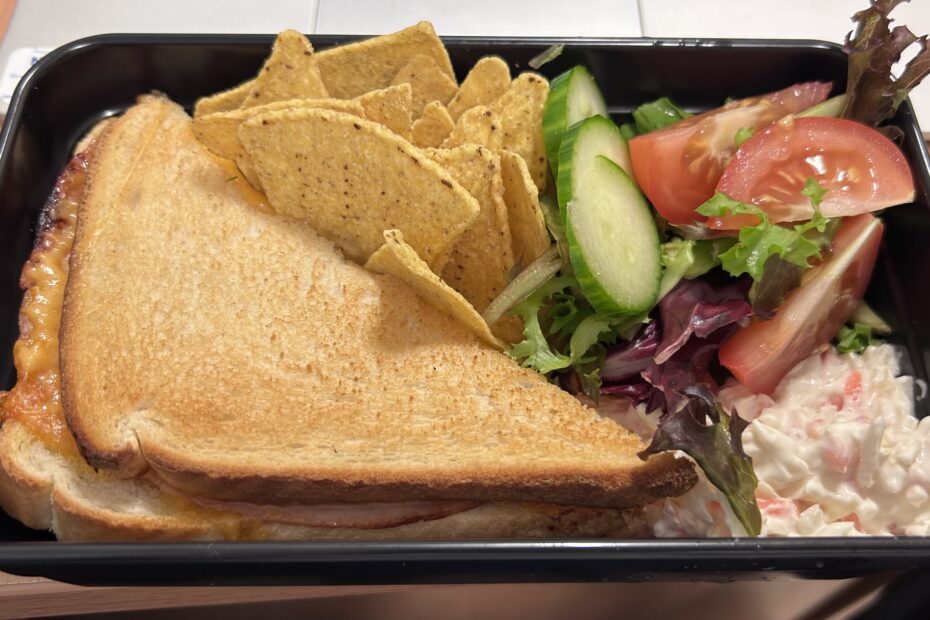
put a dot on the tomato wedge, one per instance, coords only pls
(861, 170)
(762, 353)
(678, 167)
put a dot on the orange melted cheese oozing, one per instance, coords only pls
(35, 400)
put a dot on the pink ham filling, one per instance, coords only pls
(360, 516)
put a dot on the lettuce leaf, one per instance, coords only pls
(773, 255)
(653, 115)
(854, 338)
(873, 94)
(562, 330)
(700, 428)
(757, 243)
(694, 319)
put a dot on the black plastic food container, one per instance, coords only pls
(71, 88)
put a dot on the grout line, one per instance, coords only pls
(639, 14)
(315, 17)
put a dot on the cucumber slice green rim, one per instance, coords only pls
(583, 142)
(573, 96)
(613, 242)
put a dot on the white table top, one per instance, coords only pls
(48, 23)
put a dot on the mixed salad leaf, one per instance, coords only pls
(854, 338)
(773, 255)
(666, 356)
(873, 92)
(657, 114)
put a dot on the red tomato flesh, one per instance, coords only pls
(763, 352)
(861, 170)
(678, 167)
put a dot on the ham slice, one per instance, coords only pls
(360, 516)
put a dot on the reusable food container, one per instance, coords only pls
(66, 92)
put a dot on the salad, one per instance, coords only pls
(697, 251)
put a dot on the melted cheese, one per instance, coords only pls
(35, 400)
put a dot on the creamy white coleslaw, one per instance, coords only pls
(837, 451)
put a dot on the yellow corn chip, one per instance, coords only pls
(352, 179)
(390, 107)
(290, 72)
(482, 257)
(433, 126)
(219, 132)
(479, 125)
(400, 260)
(247, 168)
(223, 101)
(428, 82)
(487, 80)
(357, 68)
(520, 110)
(527, 225)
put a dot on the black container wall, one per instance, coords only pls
(66, 92)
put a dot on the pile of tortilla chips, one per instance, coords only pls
(383, 152)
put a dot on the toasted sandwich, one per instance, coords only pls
(194, 366)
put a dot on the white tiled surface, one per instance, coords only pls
(50, 23)
(587, 18)
(829, 20)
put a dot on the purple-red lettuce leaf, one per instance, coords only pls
(631, 358)
(695, 308)
(873, 94)
(779, 277)
(700, 428)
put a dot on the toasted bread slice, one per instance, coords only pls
(48, 490)
(240, 356)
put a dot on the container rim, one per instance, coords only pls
(453, 561)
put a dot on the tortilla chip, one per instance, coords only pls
(481, 258)
(487, 80)
(219, 132)
(247, 168)
(290, 72)
(524, 215)
(479, 125)
(357, 68)
(433, 126)
(223, 101)
(428, 82)
(391, 107)
(520, 110)
(353, 179)
(400, 260)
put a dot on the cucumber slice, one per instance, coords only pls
(573, 96)
(583, 142)
(613, 242)
(831, 107)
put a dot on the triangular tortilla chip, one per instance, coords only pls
(524, 215)
(219, 131)
(353, 179)
(391, 107)
(487, 80)
(428, 82)
(290, 72)
(357, 68)
(433, 126)
(482, 257)
(223, 101)
(479, 125)
(520, 110)
(400, 260)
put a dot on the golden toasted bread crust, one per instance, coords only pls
(46, 490)
(241, 356)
